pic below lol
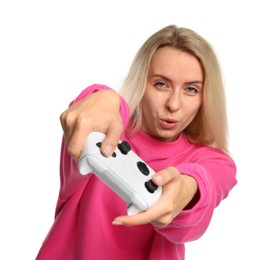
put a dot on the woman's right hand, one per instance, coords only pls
(100, 112)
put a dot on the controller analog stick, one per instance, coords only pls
(150, 186)
(124, 147)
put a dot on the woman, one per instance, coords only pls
(172, 112)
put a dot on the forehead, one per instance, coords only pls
(172, 62)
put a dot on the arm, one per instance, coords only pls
(97, 108)
(185, 209)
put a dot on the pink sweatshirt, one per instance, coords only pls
(86, 207)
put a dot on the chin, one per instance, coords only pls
(168, 137)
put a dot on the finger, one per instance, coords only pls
(112, 138)
(77, 140)
(138, 219)
(67, 124)
(156, 211)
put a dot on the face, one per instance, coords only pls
(173, 94)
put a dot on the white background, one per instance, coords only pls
(51, 50)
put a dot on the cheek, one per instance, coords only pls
(196, 109)
(144, 105)
(148, 103)
(193, 110)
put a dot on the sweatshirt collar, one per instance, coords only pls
(141, 140)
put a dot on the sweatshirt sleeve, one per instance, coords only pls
(215, 174)
(70, 177)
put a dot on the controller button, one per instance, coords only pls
(99, 145)
(150, 186)
(143, 168)
(124, 147)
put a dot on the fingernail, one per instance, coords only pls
(157, 179)
(115, 222)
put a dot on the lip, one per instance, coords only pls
(168, 123)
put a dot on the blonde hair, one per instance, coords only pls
(210, 124)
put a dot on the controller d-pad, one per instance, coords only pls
(143, 168)
(124, 147)
(99, 145)
(150, 186)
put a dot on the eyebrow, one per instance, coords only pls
(194, 82)
(186, 83)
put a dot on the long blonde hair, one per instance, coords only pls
(210, 124)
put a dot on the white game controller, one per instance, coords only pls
(124, 172)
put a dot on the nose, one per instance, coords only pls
(173, 102)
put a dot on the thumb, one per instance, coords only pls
(111, 139)
(163, 177)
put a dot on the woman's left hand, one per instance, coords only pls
(177, 192)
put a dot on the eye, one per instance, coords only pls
(160, 84)
(191, 90)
